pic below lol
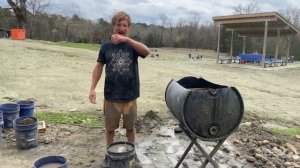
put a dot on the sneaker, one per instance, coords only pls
(105, 163)
(137, 163)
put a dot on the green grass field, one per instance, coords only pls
(93, 47)
(286, 131)
(79, 119)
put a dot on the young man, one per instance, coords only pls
(122, 86)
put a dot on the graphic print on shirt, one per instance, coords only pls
(121, 61)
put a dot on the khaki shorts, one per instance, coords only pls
(113, 112)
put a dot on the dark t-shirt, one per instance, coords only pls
(121, 72)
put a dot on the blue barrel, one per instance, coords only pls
(54, 161)
(26, 108)
(10, 113)
(26, 131)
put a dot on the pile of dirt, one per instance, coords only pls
(261, 148)
(146, 123)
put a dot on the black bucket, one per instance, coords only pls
(121, 154)
(51, 161)
(211, 112)
(10, 113)
(26, 129)
(26, 108)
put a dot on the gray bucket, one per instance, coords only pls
(121, 154)
(26, 132)
(51, 161)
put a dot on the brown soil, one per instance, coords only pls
(26, 121)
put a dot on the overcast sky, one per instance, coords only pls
(148, 11)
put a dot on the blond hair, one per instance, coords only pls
(119, 17)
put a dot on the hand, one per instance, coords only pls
(117, 38)
(92, 96)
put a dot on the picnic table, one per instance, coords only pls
(225, 60)
(270, 63)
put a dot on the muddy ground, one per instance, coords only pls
(58, 79)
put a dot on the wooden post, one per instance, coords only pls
(218, 47)
(277, 46)
(244, 44)
(288, 50)
(231, 45)
(265, 44)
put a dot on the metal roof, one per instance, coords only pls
(1, 29)
(254, 24)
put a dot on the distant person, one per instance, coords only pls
(255, 52)
(122, 86)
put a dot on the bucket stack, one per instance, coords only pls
(20, 116)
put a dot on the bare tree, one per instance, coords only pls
(252, 7)
(69, 11)
(163, 19)
(292, 15)
(180, 25)
(192, 31)
(171, 26)
(35, 7)
(19, 8)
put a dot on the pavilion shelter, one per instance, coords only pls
(267, 24)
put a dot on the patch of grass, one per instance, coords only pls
(93, 47)
(286, 131)
(79, 119)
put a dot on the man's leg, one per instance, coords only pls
(131, 135)
(112, 112)
(110, 134)
(129, 119)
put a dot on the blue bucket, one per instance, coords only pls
(1, 128)
(54, 161)
(26, 108)
(26, 132)
(1, 123)
(10, 113)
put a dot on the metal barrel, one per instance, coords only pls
(209, 111)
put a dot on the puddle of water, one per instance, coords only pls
(163, 148)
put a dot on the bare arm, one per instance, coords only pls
(138, 46)
(97, 72)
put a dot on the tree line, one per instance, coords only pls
(181, 33)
